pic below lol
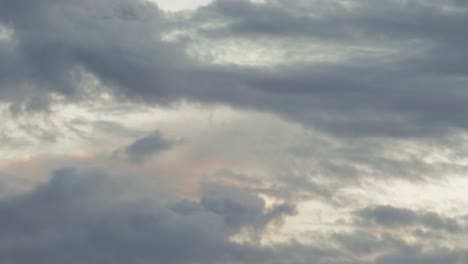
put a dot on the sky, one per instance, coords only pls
(233, 132)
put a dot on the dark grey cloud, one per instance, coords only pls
(441, 255)
(418, 90)
(337, 20)
(394, 95)
(393, 249)
(241, 208)
(93, 217)
(147, 146)
(390, 216)
(10, 184)
(118, 41)
(84, 216)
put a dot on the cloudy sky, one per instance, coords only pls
(233, 131)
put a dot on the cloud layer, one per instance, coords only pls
(238, 131)
(410, 51)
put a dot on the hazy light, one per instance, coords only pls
(179, 5)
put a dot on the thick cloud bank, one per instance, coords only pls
(90, 216)
(81, 217)
(403, 72)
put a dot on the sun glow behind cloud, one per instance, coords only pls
(180, 5)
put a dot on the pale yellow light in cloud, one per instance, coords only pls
(5, 33)
(447, 196)
(179, 5)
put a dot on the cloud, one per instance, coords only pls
(437, 256)
(147, 146)
(86, 36)
(393, 88)
(401, 217)
(371, 94)
(241, 208)
(348, 96)
(87, 216)
(84, 212)
(91, 216)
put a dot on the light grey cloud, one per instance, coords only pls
(113, 127)
(362, 243)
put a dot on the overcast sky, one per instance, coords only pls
(233, 131)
